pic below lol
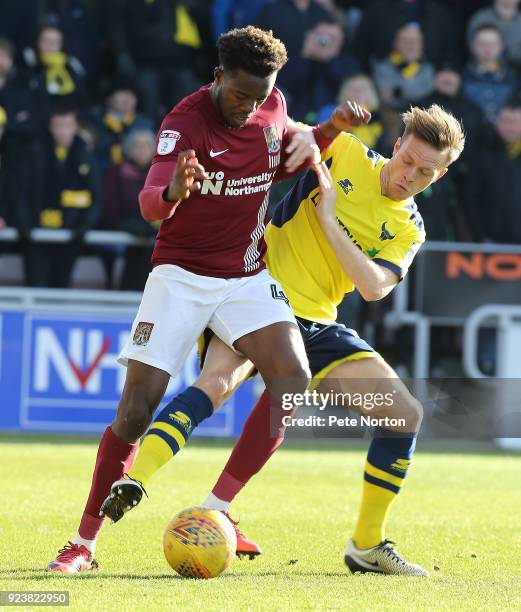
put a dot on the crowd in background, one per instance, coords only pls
(84, 85)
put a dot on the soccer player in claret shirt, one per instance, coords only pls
(218, 152)
(352, 222)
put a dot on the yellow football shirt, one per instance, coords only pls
(299, 255)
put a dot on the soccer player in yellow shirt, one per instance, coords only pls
(350, 222)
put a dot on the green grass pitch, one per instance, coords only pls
(459, 512)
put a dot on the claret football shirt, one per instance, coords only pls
(219, 230)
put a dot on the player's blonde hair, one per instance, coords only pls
(437, 127)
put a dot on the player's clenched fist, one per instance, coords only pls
(187, 176)
(349, 115)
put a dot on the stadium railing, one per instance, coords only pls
(447, 283)
(105, 237)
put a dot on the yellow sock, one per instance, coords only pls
(169, 432)
(155, 452)
(379, 491)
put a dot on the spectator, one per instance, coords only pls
(118, 118)
(361, 89)
(440, 205)
(505, 15)
(404, 77)
(156, 44)
(314, 41)
(75, 19)
(487, 80)
(121, 209)
(493, 186)
(22, 106)
(60, 190)
(381, 19)
(50, 68)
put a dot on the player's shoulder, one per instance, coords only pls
(274, 106)
(190, 109)
(350, 157)
(195, 102)
(349, 145)
(414, 224)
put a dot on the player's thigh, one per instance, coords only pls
(223, 369)
(175, 308)
(378, 390)
(257, 321)
(278, 352)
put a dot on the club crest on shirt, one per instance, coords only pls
(142, 333)
(167, 141)
(386, 234)
(272, 138)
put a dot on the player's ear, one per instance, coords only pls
(397, 145)
(441, 174)
(218, 74)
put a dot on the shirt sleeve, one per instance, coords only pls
(398, 254)
(342, 145)
(173, 138)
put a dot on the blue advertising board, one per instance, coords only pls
(58, 373)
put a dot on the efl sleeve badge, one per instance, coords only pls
(167, 141)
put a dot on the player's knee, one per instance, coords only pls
(136, 422)
(412, 411)
(133, 418)
(299, 370)
(290, 375)
(216, 386)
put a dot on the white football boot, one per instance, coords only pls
(383, 559)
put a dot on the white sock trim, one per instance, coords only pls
(90, 544)
(213, 502)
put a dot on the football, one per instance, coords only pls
(199, 543)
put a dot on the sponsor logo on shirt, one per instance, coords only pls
(167, 141)
(244, 185)
(347, 232)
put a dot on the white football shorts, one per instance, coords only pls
(178, 305)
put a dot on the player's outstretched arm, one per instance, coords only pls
(306, 142)
(373, 281)
(345, 117)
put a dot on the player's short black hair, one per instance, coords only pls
(253, 50)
